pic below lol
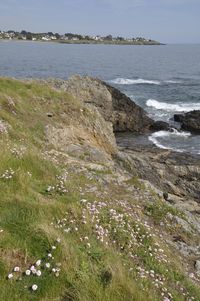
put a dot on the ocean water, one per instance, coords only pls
(164, 80)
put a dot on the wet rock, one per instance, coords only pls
(160, 126)
(189, 121)
(178, 117)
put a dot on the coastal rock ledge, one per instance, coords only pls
(113, 105)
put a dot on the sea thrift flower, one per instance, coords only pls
(38, 273)
(83, 201)
(47, 265)
(28, 272)
(10, 276)
(32, 268)
(34, 287)
(67, 230)
(16, 269)
(38, 262)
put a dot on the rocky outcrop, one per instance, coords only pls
(113, 105)
(189, 121)
(176, 175)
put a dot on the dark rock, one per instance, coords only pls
(189, 121)
(178, 117)
(159, 126)
(126, 115)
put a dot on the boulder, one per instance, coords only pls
(160, 126)
(189, 121)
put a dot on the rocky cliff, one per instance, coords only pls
(113, 105)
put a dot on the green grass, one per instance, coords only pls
(136, 182)
(32, 219)
(159, 210)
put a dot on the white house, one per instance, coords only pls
(46, 39)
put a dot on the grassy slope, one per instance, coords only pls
(32, 218)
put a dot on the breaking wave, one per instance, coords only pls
(169, 107)
(161, 138)
(172, 82)
(141, 81)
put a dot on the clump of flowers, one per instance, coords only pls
(39, 268)
(18, 152)
(118, 225)
(8, 174)
(60, 186)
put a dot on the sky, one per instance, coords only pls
(168, 21)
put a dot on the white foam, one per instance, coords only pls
(172, 82)
(158, 144)
(170, 107)
(171, 133)
(157, 137)
(139, 81)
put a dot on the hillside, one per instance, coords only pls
(77, 222)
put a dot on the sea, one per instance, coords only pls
(164, 79)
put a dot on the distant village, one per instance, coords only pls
(67, 37)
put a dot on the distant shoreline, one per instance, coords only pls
(90, 42)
